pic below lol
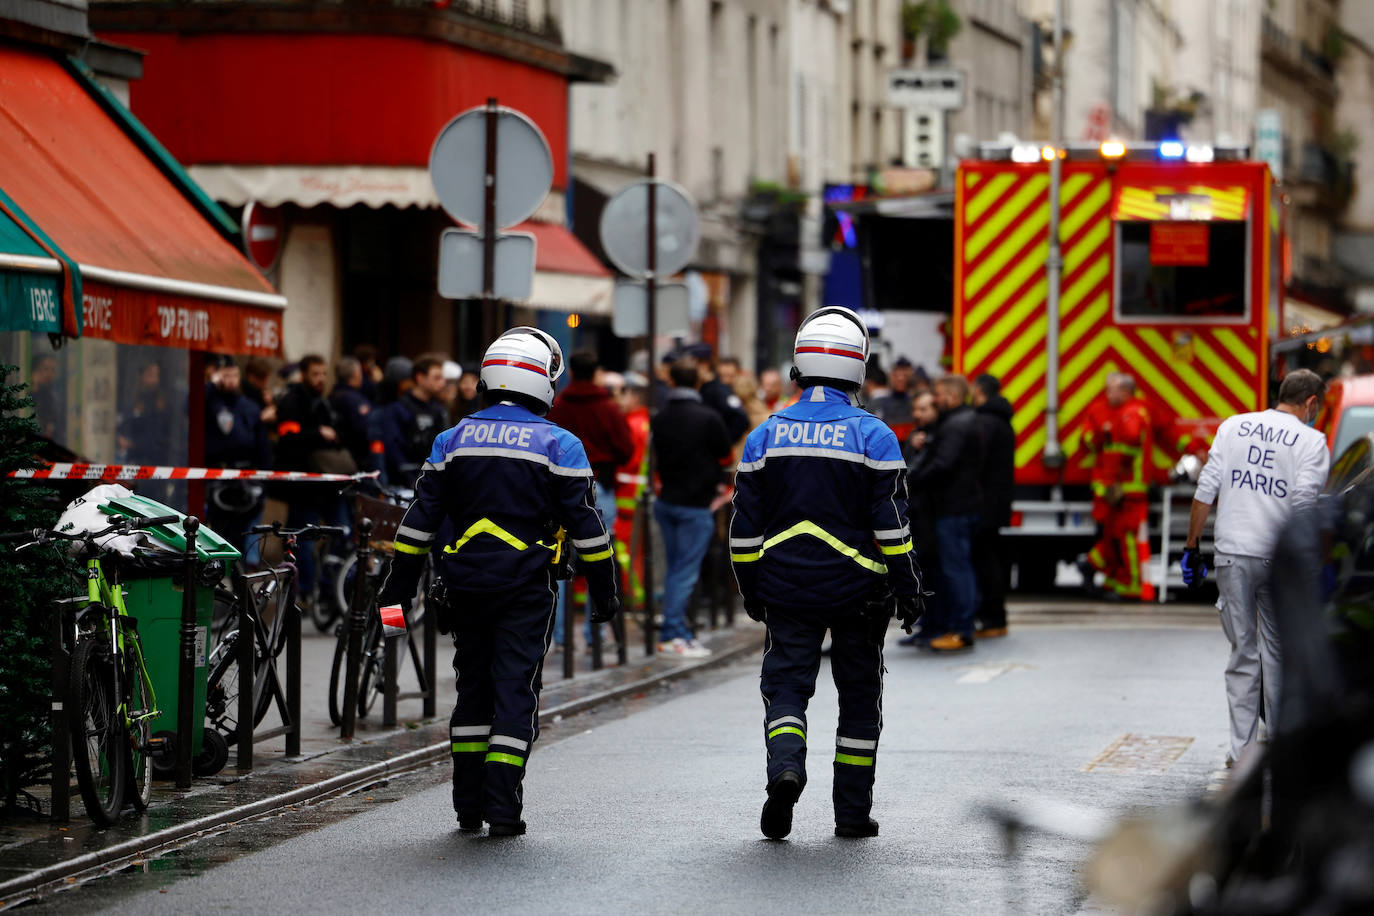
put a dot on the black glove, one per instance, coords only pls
(605, 611)
(437, 603)
(402, 581)
(393, 592)
(754, 609)
(1194, 567)
(910, 609)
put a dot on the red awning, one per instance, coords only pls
(154, 270)
(558, 250)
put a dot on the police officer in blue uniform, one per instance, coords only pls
(819, 541)
(510, 491)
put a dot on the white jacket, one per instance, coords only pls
(1262, 467)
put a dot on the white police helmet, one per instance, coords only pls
(832, 344)
(523, 361)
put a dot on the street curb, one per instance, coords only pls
(23, 888)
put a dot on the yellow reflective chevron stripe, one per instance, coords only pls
(594, 557)
(787, 730)
(854, 760)
(893, 550)
(486, 526)
(746, 557)
(495, 757)
(469, 747)
(410, 548)
(816, 531)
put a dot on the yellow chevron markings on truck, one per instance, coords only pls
(1032, 224)
(1222, 370)
(1093, 314)
(1089, 245)
(1215, 400)
(1086, 209)
(1034, 372)
(1244, 355)
(1028, 194)
(1018, 347)
(1098, 271)
(1028, 450)
(1145, 369)
(987, 339)
(991, 192)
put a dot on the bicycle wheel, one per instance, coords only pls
(336, 674)
(328, 608)
(99, 746)
(371, 683)
(222, 687)
(140, 787)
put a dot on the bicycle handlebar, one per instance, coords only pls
(119, 525)
(304, 533)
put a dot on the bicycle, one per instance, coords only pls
(271, 596)
(371, 679)
(110, 693)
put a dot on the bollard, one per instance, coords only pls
(357, 622)
(293, 674)
(391, 648)
(569, 646)
(431, 649)
(61, 730)
(187, 671)
(646, 545)
(243, 648)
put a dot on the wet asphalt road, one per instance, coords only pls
(657, 811)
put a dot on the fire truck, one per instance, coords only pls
(1171, 271)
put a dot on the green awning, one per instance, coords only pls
(31, 285)
(30, 300)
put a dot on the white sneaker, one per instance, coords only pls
(681, 648)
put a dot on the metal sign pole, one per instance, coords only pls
(1053, 454)
(651, 282)
(489, 329)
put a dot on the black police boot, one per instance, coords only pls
(469, 822)
(507, 828)
(783, 792)
(866, 828)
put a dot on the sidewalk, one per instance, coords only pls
(35, 852)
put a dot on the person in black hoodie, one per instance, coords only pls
(989, 547)
(952, 473)
(689, 441)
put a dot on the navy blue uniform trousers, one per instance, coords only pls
(791, 663)
(499, 640)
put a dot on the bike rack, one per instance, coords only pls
(288, 705)
(63, 623)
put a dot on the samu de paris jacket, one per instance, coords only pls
(820, 510)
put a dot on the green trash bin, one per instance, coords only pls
(153, 593)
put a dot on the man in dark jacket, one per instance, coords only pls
(353, 408)
(235, 437)
(308, 440)
(689, 441)
(952, 473)
(717, 395)
(408, 425)
(588, 411)
(999, 460)
(920, 448)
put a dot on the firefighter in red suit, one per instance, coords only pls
(1120, 439)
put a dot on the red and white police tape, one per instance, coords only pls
(393, 620)
(79, 471)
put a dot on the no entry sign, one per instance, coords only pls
(264, 229)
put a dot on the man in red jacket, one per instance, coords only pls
(588, 411)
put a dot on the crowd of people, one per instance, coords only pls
(363, 415)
